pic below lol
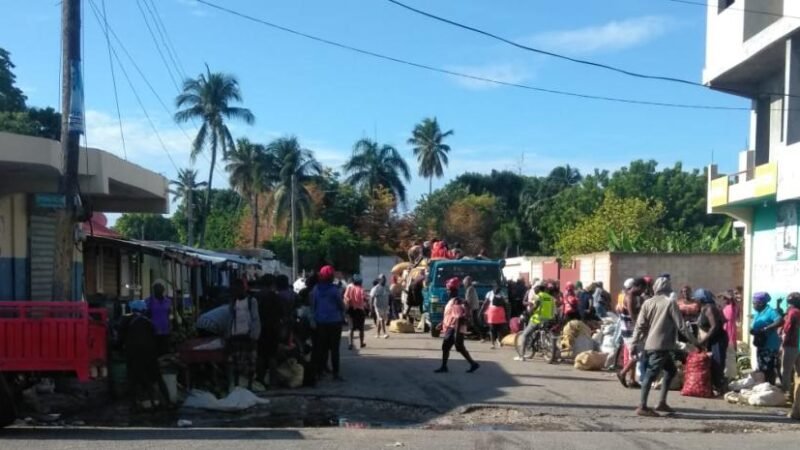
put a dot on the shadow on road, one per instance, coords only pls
(146, 434)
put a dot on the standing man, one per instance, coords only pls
(328, 309)
(657, 327)
(454, 327)
(159, 307)
(379, 300)
(244, 335)
(474, 305)
(138, 336)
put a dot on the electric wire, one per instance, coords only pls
(465, 75)
(575, 60)
(114, 79)
(158, 47)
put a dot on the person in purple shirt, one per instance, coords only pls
(159, 307)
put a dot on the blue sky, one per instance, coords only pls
(330, 97)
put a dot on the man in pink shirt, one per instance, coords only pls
(454, 327)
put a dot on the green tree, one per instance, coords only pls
(373, 165)
(208, 99)
(293, 161)
(252, 171)
(320, 243)
(508, 236)
(146, 227)
(430, 149)
(18, 123)
(471, 221)
(186, 189)
(11, 97)
(616, 219)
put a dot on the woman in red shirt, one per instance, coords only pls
(454, 327)
(356, 306)
(791, 325)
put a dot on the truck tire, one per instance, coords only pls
(8, 412)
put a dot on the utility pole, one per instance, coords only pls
(72, 126)
(189, 214)
(294, 227)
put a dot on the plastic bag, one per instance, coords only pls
(765, 394)
(697, 374)
(746, 383)
(239, 399)
(590, 360)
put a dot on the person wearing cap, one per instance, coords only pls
(712, 336)
(628, 315)
(328, 310)
(454, 327)
(656, 332)
(601, 300)
(766, 322)
(138, 336)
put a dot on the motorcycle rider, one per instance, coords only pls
(454, 327)
(543, 310)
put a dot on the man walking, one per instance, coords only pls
(379, 300)
(658, 325)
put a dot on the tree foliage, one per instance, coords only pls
(147, 227)
(470, 222)
(374, 166)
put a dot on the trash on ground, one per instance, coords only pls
(239, 399)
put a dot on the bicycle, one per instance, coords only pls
(543, 341)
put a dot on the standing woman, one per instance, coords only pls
(495, 311)
(244, 334)
(328, 310)
(712, 336)
(454, 327)
(766, 322)
(731, 313)
(356, 306)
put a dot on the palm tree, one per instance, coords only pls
(373, 165)
(208, 99)
(293, 161)
(252, 172)
(186, 188)
(430, 150)
(564, 176)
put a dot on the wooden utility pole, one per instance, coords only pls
(72, 127)
(294, 227)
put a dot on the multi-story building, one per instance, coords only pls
(753, 51)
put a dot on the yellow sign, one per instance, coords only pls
(718, 192)
(766, 179)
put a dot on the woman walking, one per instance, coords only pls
(712, 336)
(454, 327)
(766, 322)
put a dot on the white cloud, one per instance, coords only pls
(506, 73)
(195, 8)
(615, 35)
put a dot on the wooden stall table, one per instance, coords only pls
(192, 357)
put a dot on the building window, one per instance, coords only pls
(724, 4)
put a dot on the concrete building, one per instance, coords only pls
(30, 168)
(753, 51)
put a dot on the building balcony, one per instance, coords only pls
(742, 188)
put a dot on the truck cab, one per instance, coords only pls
(483, 272)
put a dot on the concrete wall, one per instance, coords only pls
(13, 247)
(716, 272)
(516, 268)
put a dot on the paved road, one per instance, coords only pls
(336, 438)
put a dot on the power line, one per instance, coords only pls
(149, 85)
(734, 8)
(465, 75)
(114, 80)
(158, 47)
(162, 32)
(134, 91)
(575, 60)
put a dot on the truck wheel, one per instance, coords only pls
(8, 413)
(435, 332)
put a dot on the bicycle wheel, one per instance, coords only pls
(548, 347)
(519, 344)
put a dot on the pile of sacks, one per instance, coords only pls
(753, 391)
(576, 338)
(591, 360)
(604, 338)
